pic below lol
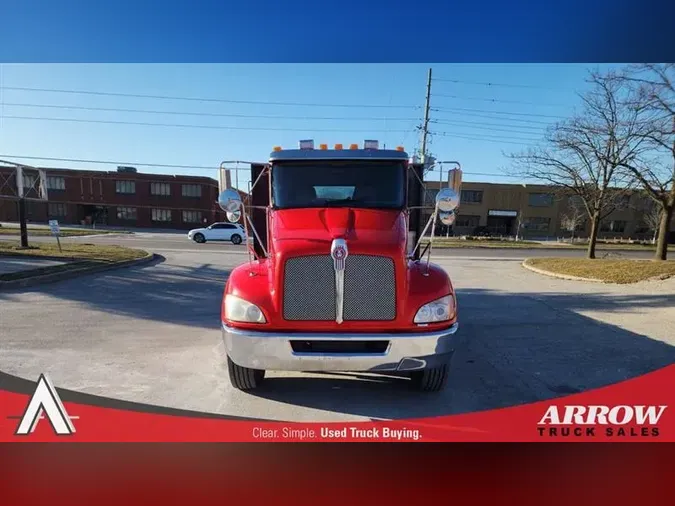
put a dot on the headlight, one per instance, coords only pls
(439, 310)
(239, 310)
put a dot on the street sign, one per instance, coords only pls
(54, 226)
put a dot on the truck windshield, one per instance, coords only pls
(318, 183)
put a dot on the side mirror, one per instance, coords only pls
(233, 216)
(230, 201)
(447, 200)
(447, 217)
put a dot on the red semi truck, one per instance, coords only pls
(333, 282)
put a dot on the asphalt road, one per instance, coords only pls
(151, 334)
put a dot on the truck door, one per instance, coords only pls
(260, 196)
(415, 198)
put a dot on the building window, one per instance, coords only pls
(192, 216)
(163, 215)
(126, 213)
(192, 190)
(125, 186)
(57, 209)
(471, 196)
(540, 199)
(467, 221)
(56, 183)
(622, 201)
(160, 189)
(537, 224)
(616, 226)
(29, 181)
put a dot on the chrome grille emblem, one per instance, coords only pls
(339, 252)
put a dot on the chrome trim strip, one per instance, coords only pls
(339, 252)
(338, 336)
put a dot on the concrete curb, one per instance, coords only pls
(562, 276)
(60, 276)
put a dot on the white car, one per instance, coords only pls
(218, 232)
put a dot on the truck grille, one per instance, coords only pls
(309, 288)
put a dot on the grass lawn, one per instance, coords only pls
(607, 270)
(74, 251)
(68, 232)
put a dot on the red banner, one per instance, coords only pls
(639, 409)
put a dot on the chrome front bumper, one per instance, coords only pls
(273, 351)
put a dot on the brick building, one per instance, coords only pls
(537, 211)
(118, 198)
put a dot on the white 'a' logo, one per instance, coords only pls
(45, 399)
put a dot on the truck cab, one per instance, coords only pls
(333, 281)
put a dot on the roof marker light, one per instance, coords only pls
(353, 146)
(338, 146)
(370, 144)
(400, 148)
(277, 148)
(323, 146)
(307, 144)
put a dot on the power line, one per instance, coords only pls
(499, 100)
(208, 99)
(109, 162)
(158, 165)
(501, 118)
(485, 126)
(493, 139)
(207, 127)
(484, 111)
(503, 85)
(506, 125)
(207, 114)
(491, 136)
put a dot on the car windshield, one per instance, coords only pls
(363, 183)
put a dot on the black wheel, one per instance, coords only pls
(236, 239)
(243, 378)
(431, 380)
(199, 238)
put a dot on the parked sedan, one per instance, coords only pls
(219, 232)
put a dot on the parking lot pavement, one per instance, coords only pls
(151, 334)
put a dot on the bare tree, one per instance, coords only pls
(581, 155)
(652, 93)
(574, 217)
(652, 219)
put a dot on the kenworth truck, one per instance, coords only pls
(334, 281)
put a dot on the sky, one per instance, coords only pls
(220, 112)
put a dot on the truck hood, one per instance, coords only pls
(382, 227)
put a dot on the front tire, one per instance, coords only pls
(236, 239)
(433, 379)
(199, 238)
(243, 378)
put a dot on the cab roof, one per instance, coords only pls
(338, 154)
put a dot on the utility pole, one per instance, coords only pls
(22, 222)
(425, 126)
